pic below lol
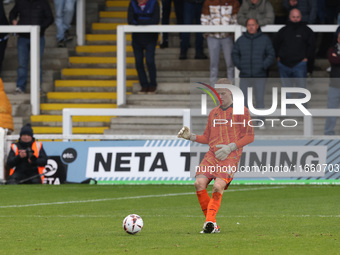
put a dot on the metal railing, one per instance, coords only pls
(80, 22)
(69, 112)
(34, 58)
(308, 129)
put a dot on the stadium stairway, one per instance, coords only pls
(89, 81)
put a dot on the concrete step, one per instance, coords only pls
(77, 121)
(82, 97)
(105, 39)
(158, 97)
(102, 62)
(48, 63)
(11, 86)
(157, 104)
(95, 73)
(186, 75)
(118, 3)
(50, 41)
(75, 130)
(18, 123)
(113, 14)
(58, 119)
(56, 108)
(98, 60)
(145, 120)
(21, 110)
(54, 59)
(11, 75)
(142, 131)
(17, 99)
(49, 53)
(143, 127)
(90, 85)
(112, 20)
(51, 107)
(167, 87)
(107, 50)
(105, 27)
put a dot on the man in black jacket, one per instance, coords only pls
(29, 12)
(294, 45)
(26, 159)
(144, 12)
(3, 36)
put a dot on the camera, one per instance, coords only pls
(30, 154)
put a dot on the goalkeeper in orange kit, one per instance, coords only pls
(226, 140)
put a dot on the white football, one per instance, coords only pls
(133, 224)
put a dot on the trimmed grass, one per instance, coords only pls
(87, 219)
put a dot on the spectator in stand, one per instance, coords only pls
(334, 86)
(3, 36)
(261, 10)
(144, 12)
(6, 119)
(26, 159)
(64, 10)
(192, 15)
(166, 10)
(294, 45)
(253, 54)
(332, 8)
(217, 12)
(281, 14)
(308, 9)
(25, 12)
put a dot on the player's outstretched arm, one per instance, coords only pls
(225, 150)
(186, 134)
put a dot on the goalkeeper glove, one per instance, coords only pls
(225, 150)
(186, 134)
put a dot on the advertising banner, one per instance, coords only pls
(173, 161)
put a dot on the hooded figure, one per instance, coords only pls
(6, 119)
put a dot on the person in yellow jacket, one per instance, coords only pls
(26, 159)
(6, 119)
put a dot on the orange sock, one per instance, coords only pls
(213, 206)
(203, 199)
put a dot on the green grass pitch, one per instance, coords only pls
(87, 219)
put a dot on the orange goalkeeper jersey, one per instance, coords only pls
(223, 128)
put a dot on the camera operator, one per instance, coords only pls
(26, 159)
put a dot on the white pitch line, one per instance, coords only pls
(169, 216)
(124, 198)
